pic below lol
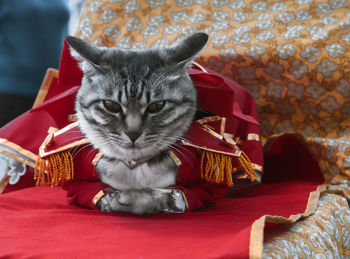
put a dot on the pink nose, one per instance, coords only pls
(133, 136)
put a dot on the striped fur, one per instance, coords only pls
(134, 81)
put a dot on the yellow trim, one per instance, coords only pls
(43, 154)
(222, 126)
(175, 159)
(185, 199)
(238, 140)
(4, 182)
(96, 159)
(212, 132)
(208, 119)
(45, 86)
(236, 154)
(51, 136)
(18, 149)
(66, 128)
(98, 197)
(253, 136)
(227, 135)
(17, 158)
(258, 167)
(72, 117)
(52, 130)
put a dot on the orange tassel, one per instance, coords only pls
(217, 168)
(248, 167)
(54, 169)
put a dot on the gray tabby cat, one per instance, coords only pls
(133, 106)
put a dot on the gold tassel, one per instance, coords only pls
(218, 167)
(248, 167)
(54, 169)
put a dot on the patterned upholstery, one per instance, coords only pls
(325, 234)
(293, 56)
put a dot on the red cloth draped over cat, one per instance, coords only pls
(233, 133)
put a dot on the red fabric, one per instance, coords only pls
(287, 158)
(37, 222)
(82, 192)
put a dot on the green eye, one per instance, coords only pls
(155, 107)
(111, 106)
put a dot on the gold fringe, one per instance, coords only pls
(217, 168)
(54, 169)
(248, 167)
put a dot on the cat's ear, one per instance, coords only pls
(187, 50)
(87, 54)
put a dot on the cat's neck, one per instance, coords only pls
(158, 172)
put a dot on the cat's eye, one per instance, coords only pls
(155, 107)
(112, 106)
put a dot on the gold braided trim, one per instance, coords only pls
(54, 169)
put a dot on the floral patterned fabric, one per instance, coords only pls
(325, 234)
(293, 56)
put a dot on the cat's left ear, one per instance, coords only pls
(187, 50)
(87, 54)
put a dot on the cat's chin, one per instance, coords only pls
(131, 153)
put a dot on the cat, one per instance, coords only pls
(134, 106)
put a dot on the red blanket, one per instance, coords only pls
(37, 222)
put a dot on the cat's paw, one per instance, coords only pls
(144, 201)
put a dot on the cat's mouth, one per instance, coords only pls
(134, 146)
(139, 151)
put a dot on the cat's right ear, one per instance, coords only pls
(186, 51)
(87, 54)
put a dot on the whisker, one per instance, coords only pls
(92, 150)
(81, 149)
(177, 150)
(175, 147)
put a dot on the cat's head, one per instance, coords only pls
(133, 104)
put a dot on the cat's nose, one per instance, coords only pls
(133, 135)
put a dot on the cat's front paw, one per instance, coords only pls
(144, 201)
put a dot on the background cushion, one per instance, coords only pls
(293, 56)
